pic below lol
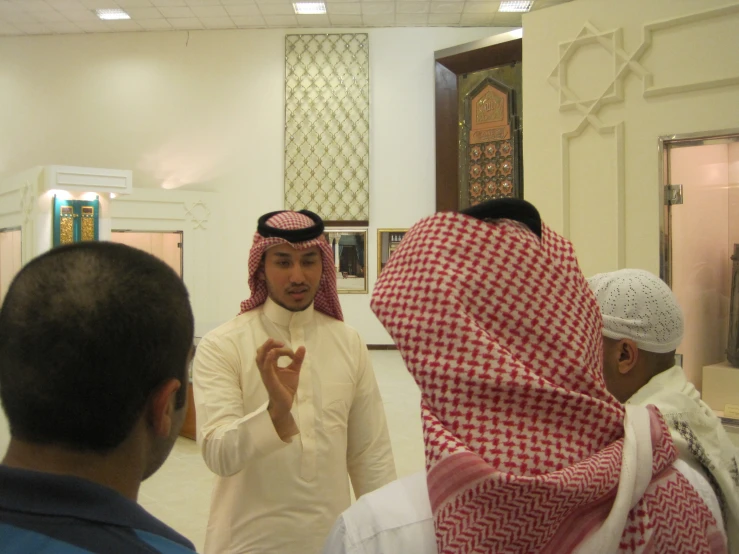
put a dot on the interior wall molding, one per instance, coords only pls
(88, 179)
(623, 63)
(120, 209)
(617, 132)
(9, 202)
(195, 212)
(648, 39)
(28, 199)
(198, 214)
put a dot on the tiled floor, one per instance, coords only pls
(179, 493)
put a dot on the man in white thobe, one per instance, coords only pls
(282, 438)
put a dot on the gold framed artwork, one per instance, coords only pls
(350, 258)
(387, 241)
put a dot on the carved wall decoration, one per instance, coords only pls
(198, 214)
(27, 201)
(623, 64)
(327, 125)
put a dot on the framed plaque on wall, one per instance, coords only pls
(350, 258)
(387, 241)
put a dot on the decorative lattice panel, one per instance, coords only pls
(327, 125)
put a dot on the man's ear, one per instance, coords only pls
(162, 407)
(628, 355)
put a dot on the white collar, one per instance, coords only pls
(286, 318)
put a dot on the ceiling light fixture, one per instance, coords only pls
(309, 8)
(519, 6)
(110, 15)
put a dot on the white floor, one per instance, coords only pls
(179, 493)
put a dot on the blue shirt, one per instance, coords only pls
(47, 513)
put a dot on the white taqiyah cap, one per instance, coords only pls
(637, 305)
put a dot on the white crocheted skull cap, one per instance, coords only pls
(638, 305)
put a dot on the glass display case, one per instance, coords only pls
(701, 230)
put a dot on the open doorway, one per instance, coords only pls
(167, 246)
(10, 257)
(700, 229)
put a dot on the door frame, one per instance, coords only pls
(181, 232)
(495, 51)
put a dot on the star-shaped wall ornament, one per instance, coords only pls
(622, 64)
(198, 213)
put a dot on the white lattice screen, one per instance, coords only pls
(327, 125)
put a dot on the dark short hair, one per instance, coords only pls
(87, 333)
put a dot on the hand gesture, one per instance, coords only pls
(281, 382)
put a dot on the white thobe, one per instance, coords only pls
(272, 496)
(397, 518)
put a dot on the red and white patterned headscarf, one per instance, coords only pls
(524, 445)
(327, 297)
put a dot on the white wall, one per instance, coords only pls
(590, 149)
(207, 112)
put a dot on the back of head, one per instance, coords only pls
(492, 304)
(637, 305)
(87, 332)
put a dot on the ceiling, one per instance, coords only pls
(44, 17)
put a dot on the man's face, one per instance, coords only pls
(293, 275)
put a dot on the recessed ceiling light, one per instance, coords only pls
(516, 6)
(309, 8)
(112, 14)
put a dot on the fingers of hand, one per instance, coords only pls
(298, 358)
(280, 353)
(263, 350)
(270, 361)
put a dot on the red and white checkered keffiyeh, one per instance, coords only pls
(523, 442)
(327, 297)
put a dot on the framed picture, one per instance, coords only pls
(387, 241)
(350, 258)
